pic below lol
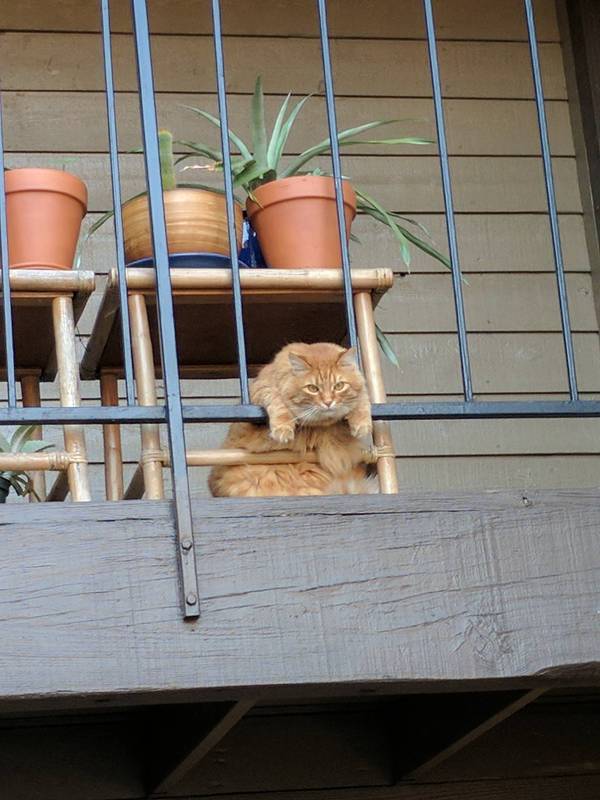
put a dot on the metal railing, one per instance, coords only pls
(172, 413)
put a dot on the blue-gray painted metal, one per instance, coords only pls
(551, 197)
(337, 171)
(9, 346)
(251, 413)
(116, 194)
(181, 489)
(463, 345)
(230, 200)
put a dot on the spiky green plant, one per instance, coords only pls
(262, 163)
(21, 442)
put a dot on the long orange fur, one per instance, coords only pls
(316, 401)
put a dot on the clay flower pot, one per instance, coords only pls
(295, 220)
(44, 208)
(196, 222)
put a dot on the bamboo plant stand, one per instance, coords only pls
(280, 306)
(46, 301)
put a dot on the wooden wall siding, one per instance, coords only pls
(456, 19)
(55, 116)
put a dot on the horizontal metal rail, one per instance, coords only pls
(250, 413)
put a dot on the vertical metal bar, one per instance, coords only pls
(551, 197)
(463, 346)
(337, 171)
(225, 147)
(181, 489)
(116, 193)
(9, 346)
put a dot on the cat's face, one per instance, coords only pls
(323, 384)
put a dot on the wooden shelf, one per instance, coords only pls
(32, 293)
(280, 306)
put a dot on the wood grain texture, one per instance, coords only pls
(480, 127)
(580, 787)
(493, 303)
(464, 19)
(401, 183)
(487, 242)
(408, 589)
(566, 746)
(66, 62)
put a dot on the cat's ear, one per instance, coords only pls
(298, 364)
(348, 358)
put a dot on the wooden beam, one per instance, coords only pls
(403, 593)
(189, 740)
(59, 489)
(504, 712)
(580, 32)
(582, 787)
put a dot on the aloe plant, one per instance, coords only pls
(262, 163)
(21, 442)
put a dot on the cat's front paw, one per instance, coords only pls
(283, 433)
(360, 429)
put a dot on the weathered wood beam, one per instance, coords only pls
(505, 711)
(582, 787)
(186, 738)
(300, 597)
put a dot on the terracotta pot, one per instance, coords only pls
(196, 223)
(44, 209)
(296, 221)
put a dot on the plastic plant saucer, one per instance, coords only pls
(191, 261)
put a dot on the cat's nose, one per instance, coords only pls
(328, 403)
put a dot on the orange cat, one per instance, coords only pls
(317, 402)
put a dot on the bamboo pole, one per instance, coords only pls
(113, 453)
(30, 392)
(140, 279)
(235, 457)
(68, 383)
(47, 281)
(382, 436)
(56, 460)
(143, 365)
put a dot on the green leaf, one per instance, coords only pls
(285, 131)
(19, 484)
(414, 222)
(98, 224)
(426, 247)
(259, 131)
(386, 347)
(201, 149)
(370, 205)
(232, 136)
(400, 140)
(276, 133)
(36, 446)
(20, 436)
(4, 444)
(324, 146)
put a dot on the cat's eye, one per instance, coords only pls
(337, 387)
(312, 388)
